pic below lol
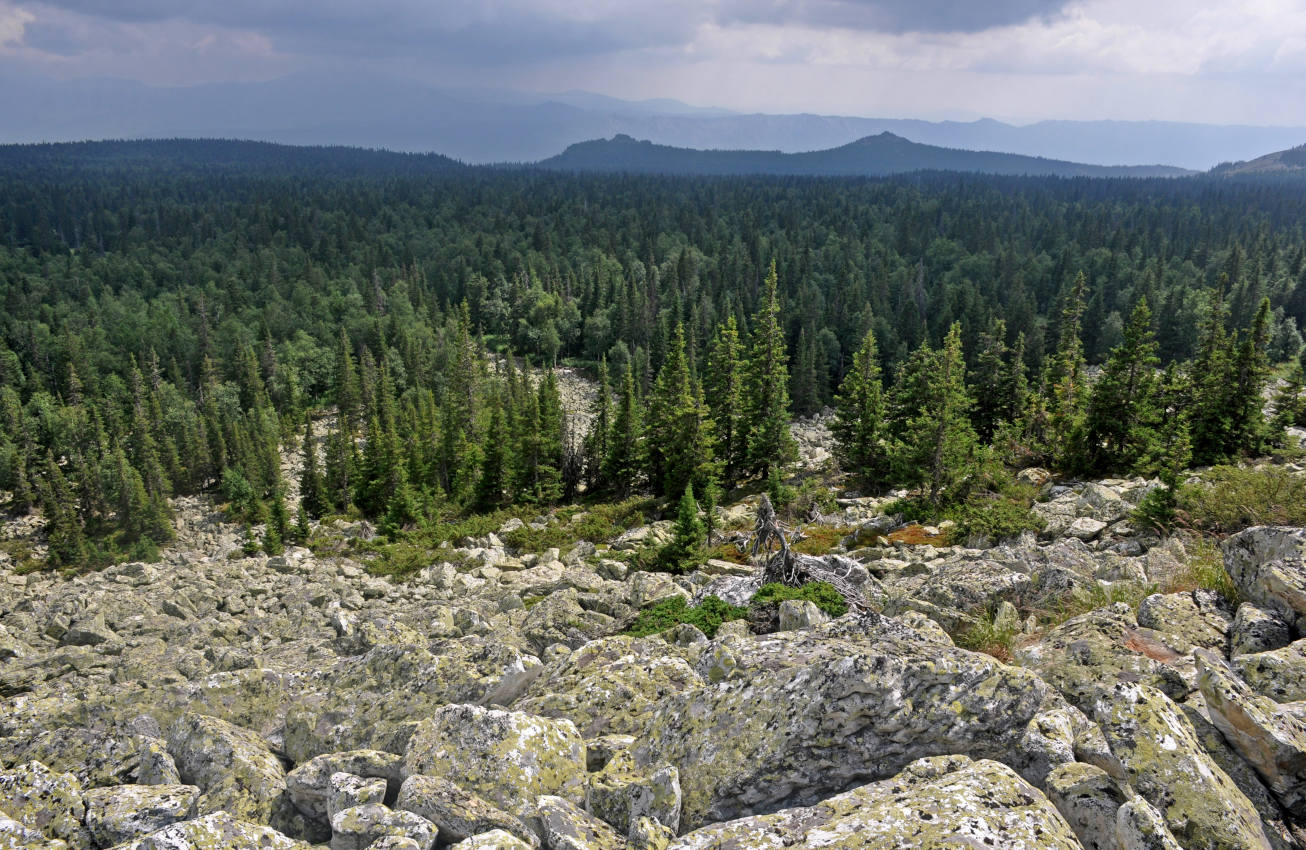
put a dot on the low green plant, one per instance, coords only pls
(707, 616)
(990, 637)
(1204, 570)
(992, 517)
(1231, 498)
(821, 593)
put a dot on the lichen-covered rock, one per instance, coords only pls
(1257, 629)
(232, 766)
(1167, 765)
(457, 813)
(347, 791)
(620, 794)
(356, 828)
(644, 589)
(604, 686)
(1100, 648)
(796, 716)
(1272, 740)
(309, 784)
(936, 803)
(565, 826)
(1191, 619)
(495, 839)
(1268, 563)
(800, 614)
(507, 757)
(16, 836)
(1279, 674)
(155, 765)
(94, 757)
(127, 812)
(216, 831)
(1139, 826)
(649, 834)
(46, 802)
(1088, 799)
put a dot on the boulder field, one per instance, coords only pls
(493, 700)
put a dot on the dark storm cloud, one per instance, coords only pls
(512, 31)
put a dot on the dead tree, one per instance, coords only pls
(785, 566)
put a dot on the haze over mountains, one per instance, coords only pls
(482, 126)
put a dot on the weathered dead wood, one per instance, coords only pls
(771, 540)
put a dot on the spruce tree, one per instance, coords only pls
(1123, 410)
(688, 536)
(862, 440)
(1212, 419)
(64, 533)
(1250, 373)
(767, 398)
(493, 482)
(723, 385)
(312, 487)
(624, 465)
(596, 441)
(1065, 377)
(679, 432)
(938, 445)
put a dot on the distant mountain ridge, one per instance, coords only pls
(1290, 162)
(496, 126)
(872, 156)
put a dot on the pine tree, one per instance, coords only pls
(624, 465)
(679, 432)
(1123, 410)
(939, 448)
(312, 488)
(767, 399)
(861, 427)
(723, 385)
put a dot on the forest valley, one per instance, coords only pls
(167, 332)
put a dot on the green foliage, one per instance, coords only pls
(1231, 498)
(685, 550)
(679, 432)
(1204, 570)
(992, 517)
(821, 593)
(861, 428)
(707, 616)
(990, 636)
(767, 399)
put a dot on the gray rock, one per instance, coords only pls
(1139, 826)
(1088, 798)
(309, 785)
(495, 839)
(125, 813)
(1279, 674)
(565, 826)
(458, 814)
(46, 802)
(216, 831)
(1258, 630)
(347, 791)
(507, 757)
(1266, 562)
(1272, 740)
(933, 804)
(1188, 620)
(356, 828)
(800, 614)
(232, 766)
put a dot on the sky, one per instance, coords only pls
(1230, 61)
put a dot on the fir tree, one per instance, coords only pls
(1123, 410)
(624, 465)
(767, 400)
(1065, 378)
(723, 385)
(495, 463)
(64, 533)
(688, 536)
(860, 427)
(312, 488)
(679, 433)
(938, 445)
(596, 441)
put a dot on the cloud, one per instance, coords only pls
(891, 16)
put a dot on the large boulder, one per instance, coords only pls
(231, 765)
(796, 716)
(457, 813)
(127, 812)
(1100, 648)
(565, 826)
(1089, 799)
(356, 828)
(935, 803)
(1268, 564)
(1197, 618)
(1279, 674)
(46, 802)
(1271, 739)
(216, 831)
(1167, 765)
(507, 757)
(309, 784)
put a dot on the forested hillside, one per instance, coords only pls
(165, 329)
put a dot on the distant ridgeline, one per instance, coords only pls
(873, 156)
(170, 313)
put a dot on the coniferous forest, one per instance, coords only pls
(173, 313)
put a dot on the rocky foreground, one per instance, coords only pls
(222, 701)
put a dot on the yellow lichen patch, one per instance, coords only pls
(918, 535)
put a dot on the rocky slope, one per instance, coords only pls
(220, 701)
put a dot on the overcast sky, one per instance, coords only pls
(1231, 61)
